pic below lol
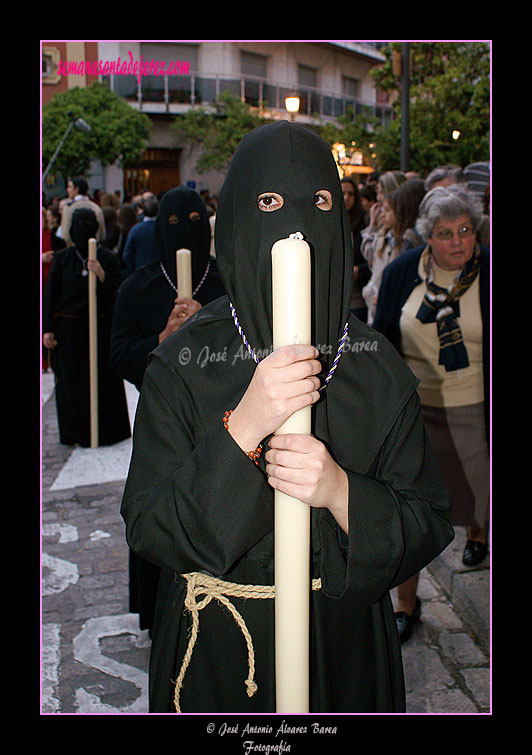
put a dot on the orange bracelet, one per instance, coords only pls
(253, 455)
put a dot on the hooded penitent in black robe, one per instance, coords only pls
(146, 298)
(194, 502)
(143, 304)
(66, 314)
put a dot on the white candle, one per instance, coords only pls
(93, 349)
(291, 290)
(183, 260)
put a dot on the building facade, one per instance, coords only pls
(166, 78)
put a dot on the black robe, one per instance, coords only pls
(66, 314)
(143, 304)
(194, 502)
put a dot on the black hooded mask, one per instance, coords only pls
(182, 223)
(84, 226)
(295, 169)
(296, 166)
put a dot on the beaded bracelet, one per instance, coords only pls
(253, 455)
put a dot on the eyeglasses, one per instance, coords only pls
(445, 234)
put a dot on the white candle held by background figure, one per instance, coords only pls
(183, 258)
(93, 348)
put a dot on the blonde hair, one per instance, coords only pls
(391, 181)
(386, 231)
(110, 200)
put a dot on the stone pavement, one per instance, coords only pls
(95, 657)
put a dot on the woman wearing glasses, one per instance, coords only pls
(434, 307)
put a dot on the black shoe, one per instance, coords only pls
(474, 553)
(405, 622)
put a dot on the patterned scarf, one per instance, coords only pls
(441, 305)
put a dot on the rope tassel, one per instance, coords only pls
(212, 587)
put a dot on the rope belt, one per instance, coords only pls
(212, 587)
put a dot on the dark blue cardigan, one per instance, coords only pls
(140, 249)
(398, 281)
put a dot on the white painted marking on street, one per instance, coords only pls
(98, 535)
(67, 532)
(87, 650)
(47, 385)
(60, 575)
(50, 668)
(132, 398)
(95, 466)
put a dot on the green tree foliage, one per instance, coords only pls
(449, 89)
(117, 131)
(218, 133)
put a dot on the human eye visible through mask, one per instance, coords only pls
(323, 199)
(269, 201)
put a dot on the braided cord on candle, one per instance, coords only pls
(336, 358)
(242, 334)
(170, 281)
(335, 361)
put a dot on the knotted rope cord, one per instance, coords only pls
(257, 360)
(170, 281)
(212, 587)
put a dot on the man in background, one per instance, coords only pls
(78, 197)
(140, 249)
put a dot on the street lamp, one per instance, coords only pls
(292, 105)
(78, 123)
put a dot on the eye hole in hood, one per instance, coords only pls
(283, 179)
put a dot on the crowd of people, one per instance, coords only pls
(436, 232)
(419, 277)
(131, 238)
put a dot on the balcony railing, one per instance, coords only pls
(170, 93)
